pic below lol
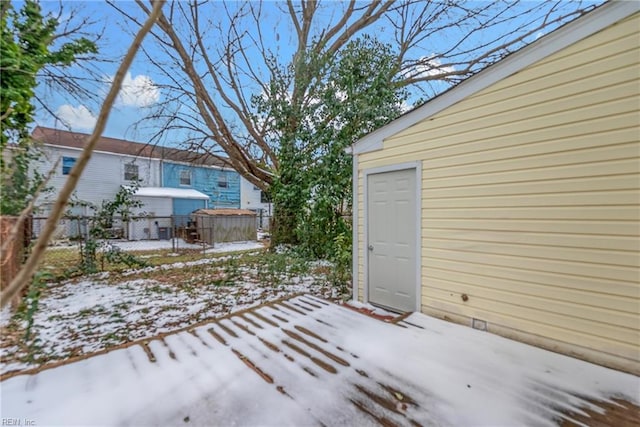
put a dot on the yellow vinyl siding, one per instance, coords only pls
(617, 128)
(552, 325)
(611, 50)
(531, 201)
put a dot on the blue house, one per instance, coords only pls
(221, 185)
(119, 162)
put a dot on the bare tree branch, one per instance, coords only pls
(28, 269)
(221, 58)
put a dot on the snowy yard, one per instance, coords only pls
(305, 361)
(156, 245)
(244, 339)
(101, 311)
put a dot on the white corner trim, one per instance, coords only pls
(419, 237)
(417, 166)
(355, 253)
(583, 27)
(53, 147)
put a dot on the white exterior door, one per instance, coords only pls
(392, 239)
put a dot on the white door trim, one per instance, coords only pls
(417, 166)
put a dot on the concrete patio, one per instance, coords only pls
(305, 361)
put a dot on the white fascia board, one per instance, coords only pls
(111, 153)
(583, 27)
(181, 163)
(170, 192)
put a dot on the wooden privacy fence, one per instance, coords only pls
(12, 257)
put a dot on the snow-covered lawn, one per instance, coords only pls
(157, 245)
(92, 313)
(306, 362)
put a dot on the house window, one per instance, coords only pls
(256, 188)
(185, 177)
(264, 197)
(130, 172)
(67, 164)
(222, 181)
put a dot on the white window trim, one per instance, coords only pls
(180, 178)
(124, 175)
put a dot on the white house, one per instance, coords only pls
(105, 173)
(252, 198)
(117, 162)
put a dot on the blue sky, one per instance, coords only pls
(142, 91)
(138, 96)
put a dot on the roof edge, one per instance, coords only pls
(171, 192)
(570, 33)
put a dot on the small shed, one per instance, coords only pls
(510, 202)
(159, 205)
(225, 225)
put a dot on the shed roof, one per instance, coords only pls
(225, 212)
(173, 193)
(585, 26)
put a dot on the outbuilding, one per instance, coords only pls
(163, 209)
(225, 225)
(511, 202)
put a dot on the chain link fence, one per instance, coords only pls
(134, 229)
(139, 236)
(176, 232)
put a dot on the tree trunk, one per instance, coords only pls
(284, 224)
(290, 194)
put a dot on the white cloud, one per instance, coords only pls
(139, 91)
(77, 118)
(427, 67)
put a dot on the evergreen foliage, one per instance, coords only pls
(26, 47)
(312, 192)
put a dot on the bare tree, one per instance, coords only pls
(222, 60)
(30, 266)
(218, 56)
(83, 83)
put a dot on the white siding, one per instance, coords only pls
(102, 177)
(153, 207)
(250, 197)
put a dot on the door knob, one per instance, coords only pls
(370, 247)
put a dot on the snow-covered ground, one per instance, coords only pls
(83, 316)
(156, 245)
(306, 362)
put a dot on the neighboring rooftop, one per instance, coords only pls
(174, 193)
(225, 212)
(68, 139)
